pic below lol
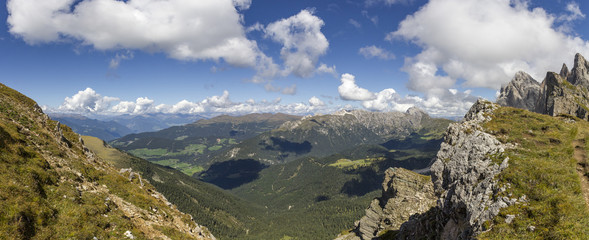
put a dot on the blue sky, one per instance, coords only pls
(300, 57)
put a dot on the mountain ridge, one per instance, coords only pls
(54, 187)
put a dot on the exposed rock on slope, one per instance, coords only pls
(464, 182)
(464, 177)
(52, 186)
(522, 92)
(404, 193)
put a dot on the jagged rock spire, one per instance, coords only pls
(580, 73)
(564, 71)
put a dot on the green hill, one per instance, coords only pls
(52, 187)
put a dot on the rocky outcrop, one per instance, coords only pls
(559, 97)
(563, 93)
(464, 181)
(464, 178)
(404, 193)
(522, 92)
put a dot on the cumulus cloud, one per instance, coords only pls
(90, 102)
(222, 101)
(87, 101)
(323, 68)
(348, 90)
(316, 102)
(376, 52)
(449, 103)
(185, 30)
(483, 43)
(302, 40)
(140, 106)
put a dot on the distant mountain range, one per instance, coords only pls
(111, 127)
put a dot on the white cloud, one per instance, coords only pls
(90, 102)
(302, 40)
(451, 102)
(182, 29)
(323, 68)
(382, 100)
(376, 52)
(87, 101)
(316, 102)
(114, 62)
(222, 101)
(483, 43)
(140, 106)
(242, 4)
(348, 90)
(574, 13)
(355, 23)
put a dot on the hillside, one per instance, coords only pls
(52, 186)
(227, 216)
(189, 147)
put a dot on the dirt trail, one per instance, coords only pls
(582, 166)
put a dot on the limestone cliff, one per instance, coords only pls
(404, 193)
(464, 185)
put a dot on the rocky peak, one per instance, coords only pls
(415, 111)
(560, 93)
(521, 92)
(564, 71)
(580, 73)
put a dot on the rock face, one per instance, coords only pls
(560, 93)
(404, 193)
(464, 186)
(522, 92)
(561, 97)
(464, 177)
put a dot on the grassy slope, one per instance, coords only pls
(228, 217)
(49, 189)
(544, 169)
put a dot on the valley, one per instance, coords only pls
(318, 193)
